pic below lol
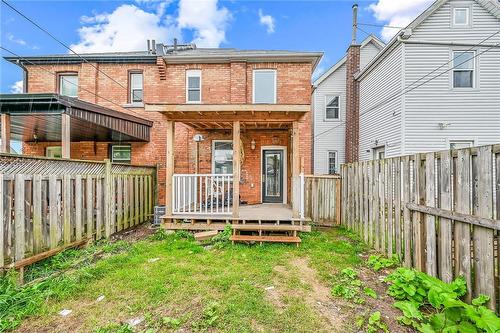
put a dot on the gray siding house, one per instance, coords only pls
(329, 105)
(435, 85)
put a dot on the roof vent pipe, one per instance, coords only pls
(153, 46)
(354, 23)
(149, 46)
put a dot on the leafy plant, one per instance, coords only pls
(115, 328)
(183, 234)
(379, 262)
(159, 235)
(222, 238)
(209, 316)
(348, 286)
(172, 323)
(375, 323)
(370, 292)
(445, 311)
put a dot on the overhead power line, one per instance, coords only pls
(410, 87)
(380, 25)
(63, 44)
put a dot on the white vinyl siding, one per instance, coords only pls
(193, 86)
(264, 86)
(380, 107)
(367, 53)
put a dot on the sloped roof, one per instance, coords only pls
(492, 6)
(370, 39)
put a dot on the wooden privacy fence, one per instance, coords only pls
(49, 204)
(322, 199)
(437, 211)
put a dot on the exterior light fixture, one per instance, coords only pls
(252, 144)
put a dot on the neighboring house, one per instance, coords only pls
(329, 106)
(435, 85)
(183, 108)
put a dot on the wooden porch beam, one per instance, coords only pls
(5, 146)
(65, 135)
(236, 168)
(170, 167)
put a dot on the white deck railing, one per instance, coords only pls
(202, 194)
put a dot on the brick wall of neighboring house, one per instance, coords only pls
(352, 105)
(229, 83)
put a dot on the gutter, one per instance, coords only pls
(77, 60)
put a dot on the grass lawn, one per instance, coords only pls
(174, 284)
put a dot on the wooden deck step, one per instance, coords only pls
(205, 235)
(268, 227)
(272, 239)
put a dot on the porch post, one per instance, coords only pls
(236, 168)
(170, 167)
(65, 135)
(5, 147)
(295, 169)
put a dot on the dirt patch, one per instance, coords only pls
(139, 232)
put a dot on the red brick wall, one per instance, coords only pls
(352, 105)
(228, 83)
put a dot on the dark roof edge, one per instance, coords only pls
(38, 60)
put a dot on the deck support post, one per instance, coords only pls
(65, 136)
(236, 168)
(5, 145)
(295, 170)
(170, 167)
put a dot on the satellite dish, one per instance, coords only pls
(198, 138)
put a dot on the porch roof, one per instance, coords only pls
(37, 117)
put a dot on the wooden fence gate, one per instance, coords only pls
(322, 199)
(50, 203)
(437, 211)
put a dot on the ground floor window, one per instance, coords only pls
(121, 153)
(379, 153)
(53, 152)
(222, 156)
(459, 144)
(332, 162)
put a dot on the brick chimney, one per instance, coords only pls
(352, 95)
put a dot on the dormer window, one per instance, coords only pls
(461, 16)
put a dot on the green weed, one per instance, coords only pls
(378, 262)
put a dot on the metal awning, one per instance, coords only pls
(37, 117)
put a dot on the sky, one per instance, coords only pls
(97, 26)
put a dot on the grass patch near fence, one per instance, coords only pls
(167, 282)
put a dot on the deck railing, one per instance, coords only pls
(202, 194)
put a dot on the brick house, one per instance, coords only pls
(204, 116)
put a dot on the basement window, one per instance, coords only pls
(332, 107)
(264, 86)
(121, 153)
(53, 152)
(193, 86)
(463, 69)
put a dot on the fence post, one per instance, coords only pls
(107, 198)
(302, 195)
(2, 258)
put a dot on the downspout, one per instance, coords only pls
(25, 76)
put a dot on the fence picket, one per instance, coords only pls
(430, 220)
(89, 206)
(383, 223)
(19, 228)
(37, 213)
(397, 206)
(445, 230)
(390, 206)
(419, 198)
(53, 214)
(406, 179)
(66, 203)
(2, 223)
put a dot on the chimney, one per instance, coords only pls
(352, 95)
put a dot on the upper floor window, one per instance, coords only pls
(463, 69)
(461, 16)
(332, 110)
(193, 86)
(68, 84)
(332, 162)
(264, 86)
(136, 87)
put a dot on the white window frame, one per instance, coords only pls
(51, 150)
(275, 84)
(131, 95)
(461, 25)
(120, 161)
(61, 78)
(328, 161)
(449, 142)
(474, 71)
(326, 99)
(192, 73)
(213, 152)
(376, 151)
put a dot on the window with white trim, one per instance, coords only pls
(68, 85)
(222, 156)
(379, 153)
(332, 162)
(461, 16)
(136, 87)
(463, 69)
(332, 107)
(459, 144)
(193, 86)
(121, 153)
(264, 86)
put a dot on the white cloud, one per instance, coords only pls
(397, 13)
(17, 87)
(125, 29)
(267, 21)
(129, 26)
(207, 20)
(13, 39)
